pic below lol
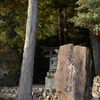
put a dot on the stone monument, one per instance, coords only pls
(50, 50)
(72, 78)
(50, 78)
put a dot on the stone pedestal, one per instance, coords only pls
(50, 80)
(72, 78)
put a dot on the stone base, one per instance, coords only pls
(49, 83)
(50, 79)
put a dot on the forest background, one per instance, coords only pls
(54, 29)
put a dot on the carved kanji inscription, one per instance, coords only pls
(72, 74)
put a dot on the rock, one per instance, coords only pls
(16, 91)
(95, 94)
(40, 97)
(97, 84)
(39, 94)
(35, 97)
(72, 78)
(55, 97)
(2, 90)
(95, 99)
(94, 88)
(99, 89)
(9, 94)
(40, 89)
(11, 91)
(33, 90)
(7, 91)
(44, 94)
(37, 91)
(48, 97)
(14, 95)
(95, 80)
(50, 94)
(51, 98)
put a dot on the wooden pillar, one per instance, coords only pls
(50, 59)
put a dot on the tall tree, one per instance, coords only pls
(26, 79)
(88, 16)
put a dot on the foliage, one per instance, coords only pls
(10, 65)
(12, 23)
(47, 21)
(88, 14)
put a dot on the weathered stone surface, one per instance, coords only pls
(72, 75)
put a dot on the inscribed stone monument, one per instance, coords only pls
(72, 78)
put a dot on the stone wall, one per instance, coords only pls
(37, 93)
(96, 88)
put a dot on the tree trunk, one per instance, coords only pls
(60, 27)
(26, 79)
(66, 40)
(95, 40)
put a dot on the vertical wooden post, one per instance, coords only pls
(50, 59)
